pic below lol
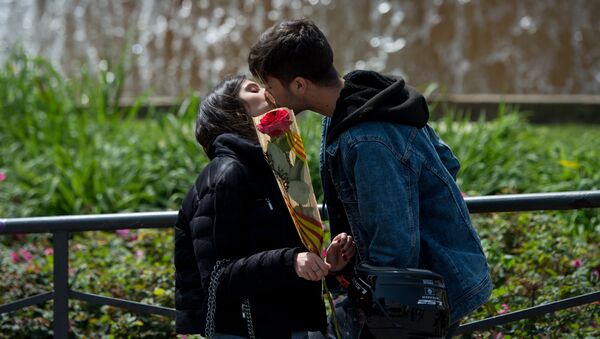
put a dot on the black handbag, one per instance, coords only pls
(401, 302)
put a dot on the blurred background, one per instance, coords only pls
(183, 46)
(98, 101)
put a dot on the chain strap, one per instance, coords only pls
(212, 303)
(247, 314)
(212, 297)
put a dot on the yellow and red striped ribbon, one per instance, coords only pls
(310, 230)
(295, 142)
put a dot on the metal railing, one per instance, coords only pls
(61, 226)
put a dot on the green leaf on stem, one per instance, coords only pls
(299, 191)
(281, 164)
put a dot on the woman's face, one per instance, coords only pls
(256, 100)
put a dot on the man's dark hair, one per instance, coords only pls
(291, 49)
(223, 111)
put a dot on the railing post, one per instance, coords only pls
(61, 284)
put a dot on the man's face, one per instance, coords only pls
(283, 95)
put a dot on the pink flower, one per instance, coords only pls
(139, 254)
(48, 251)
(463, 194)
(505, 309)
(127, 234)
(25, 254)
(124, 233)
(14, 257)
(576, 263)
(499, 335)
(2, 176)
(596, 273)
(71, 272)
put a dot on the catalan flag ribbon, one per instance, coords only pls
(283, 148)
(295, 142)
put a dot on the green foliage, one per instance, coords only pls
(131, 264)
(128, 264)
(309, 124)
(68, 148)
(508, 155)
(534, 260)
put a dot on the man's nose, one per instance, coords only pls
(270, 99)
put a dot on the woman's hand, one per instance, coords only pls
(340, 251)
(310, 266)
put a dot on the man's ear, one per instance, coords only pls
(299, 86)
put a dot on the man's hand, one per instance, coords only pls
(310, 266)
(340, 251)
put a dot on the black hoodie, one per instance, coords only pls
(370, 96)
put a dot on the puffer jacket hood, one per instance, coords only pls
(370, 96)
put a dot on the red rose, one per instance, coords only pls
(275, 122)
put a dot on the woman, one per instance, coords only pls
(234, 214)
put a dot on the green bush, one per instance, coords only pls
(68, 148)
(508, 155)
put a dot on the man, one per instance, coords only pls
(387, 176)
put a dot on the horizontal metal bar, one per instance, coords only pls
(90, 222)
(25, 302)
(126, 304)
(534, 202)
(527, 313)
(107, 222)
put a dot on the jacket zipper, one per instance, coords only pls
(269, 202)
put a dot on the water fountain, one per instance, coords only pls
(512, 46)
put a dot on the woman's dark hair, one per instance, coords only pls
(291, 49)
(223, 111)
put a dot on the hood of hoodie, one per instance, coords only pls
(370, 96)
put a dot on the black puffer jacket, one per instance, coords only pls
(235, 211)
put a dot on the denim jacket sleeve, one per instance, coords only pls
(386, 192)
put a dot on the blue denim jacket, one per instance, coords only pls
(397, 186)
